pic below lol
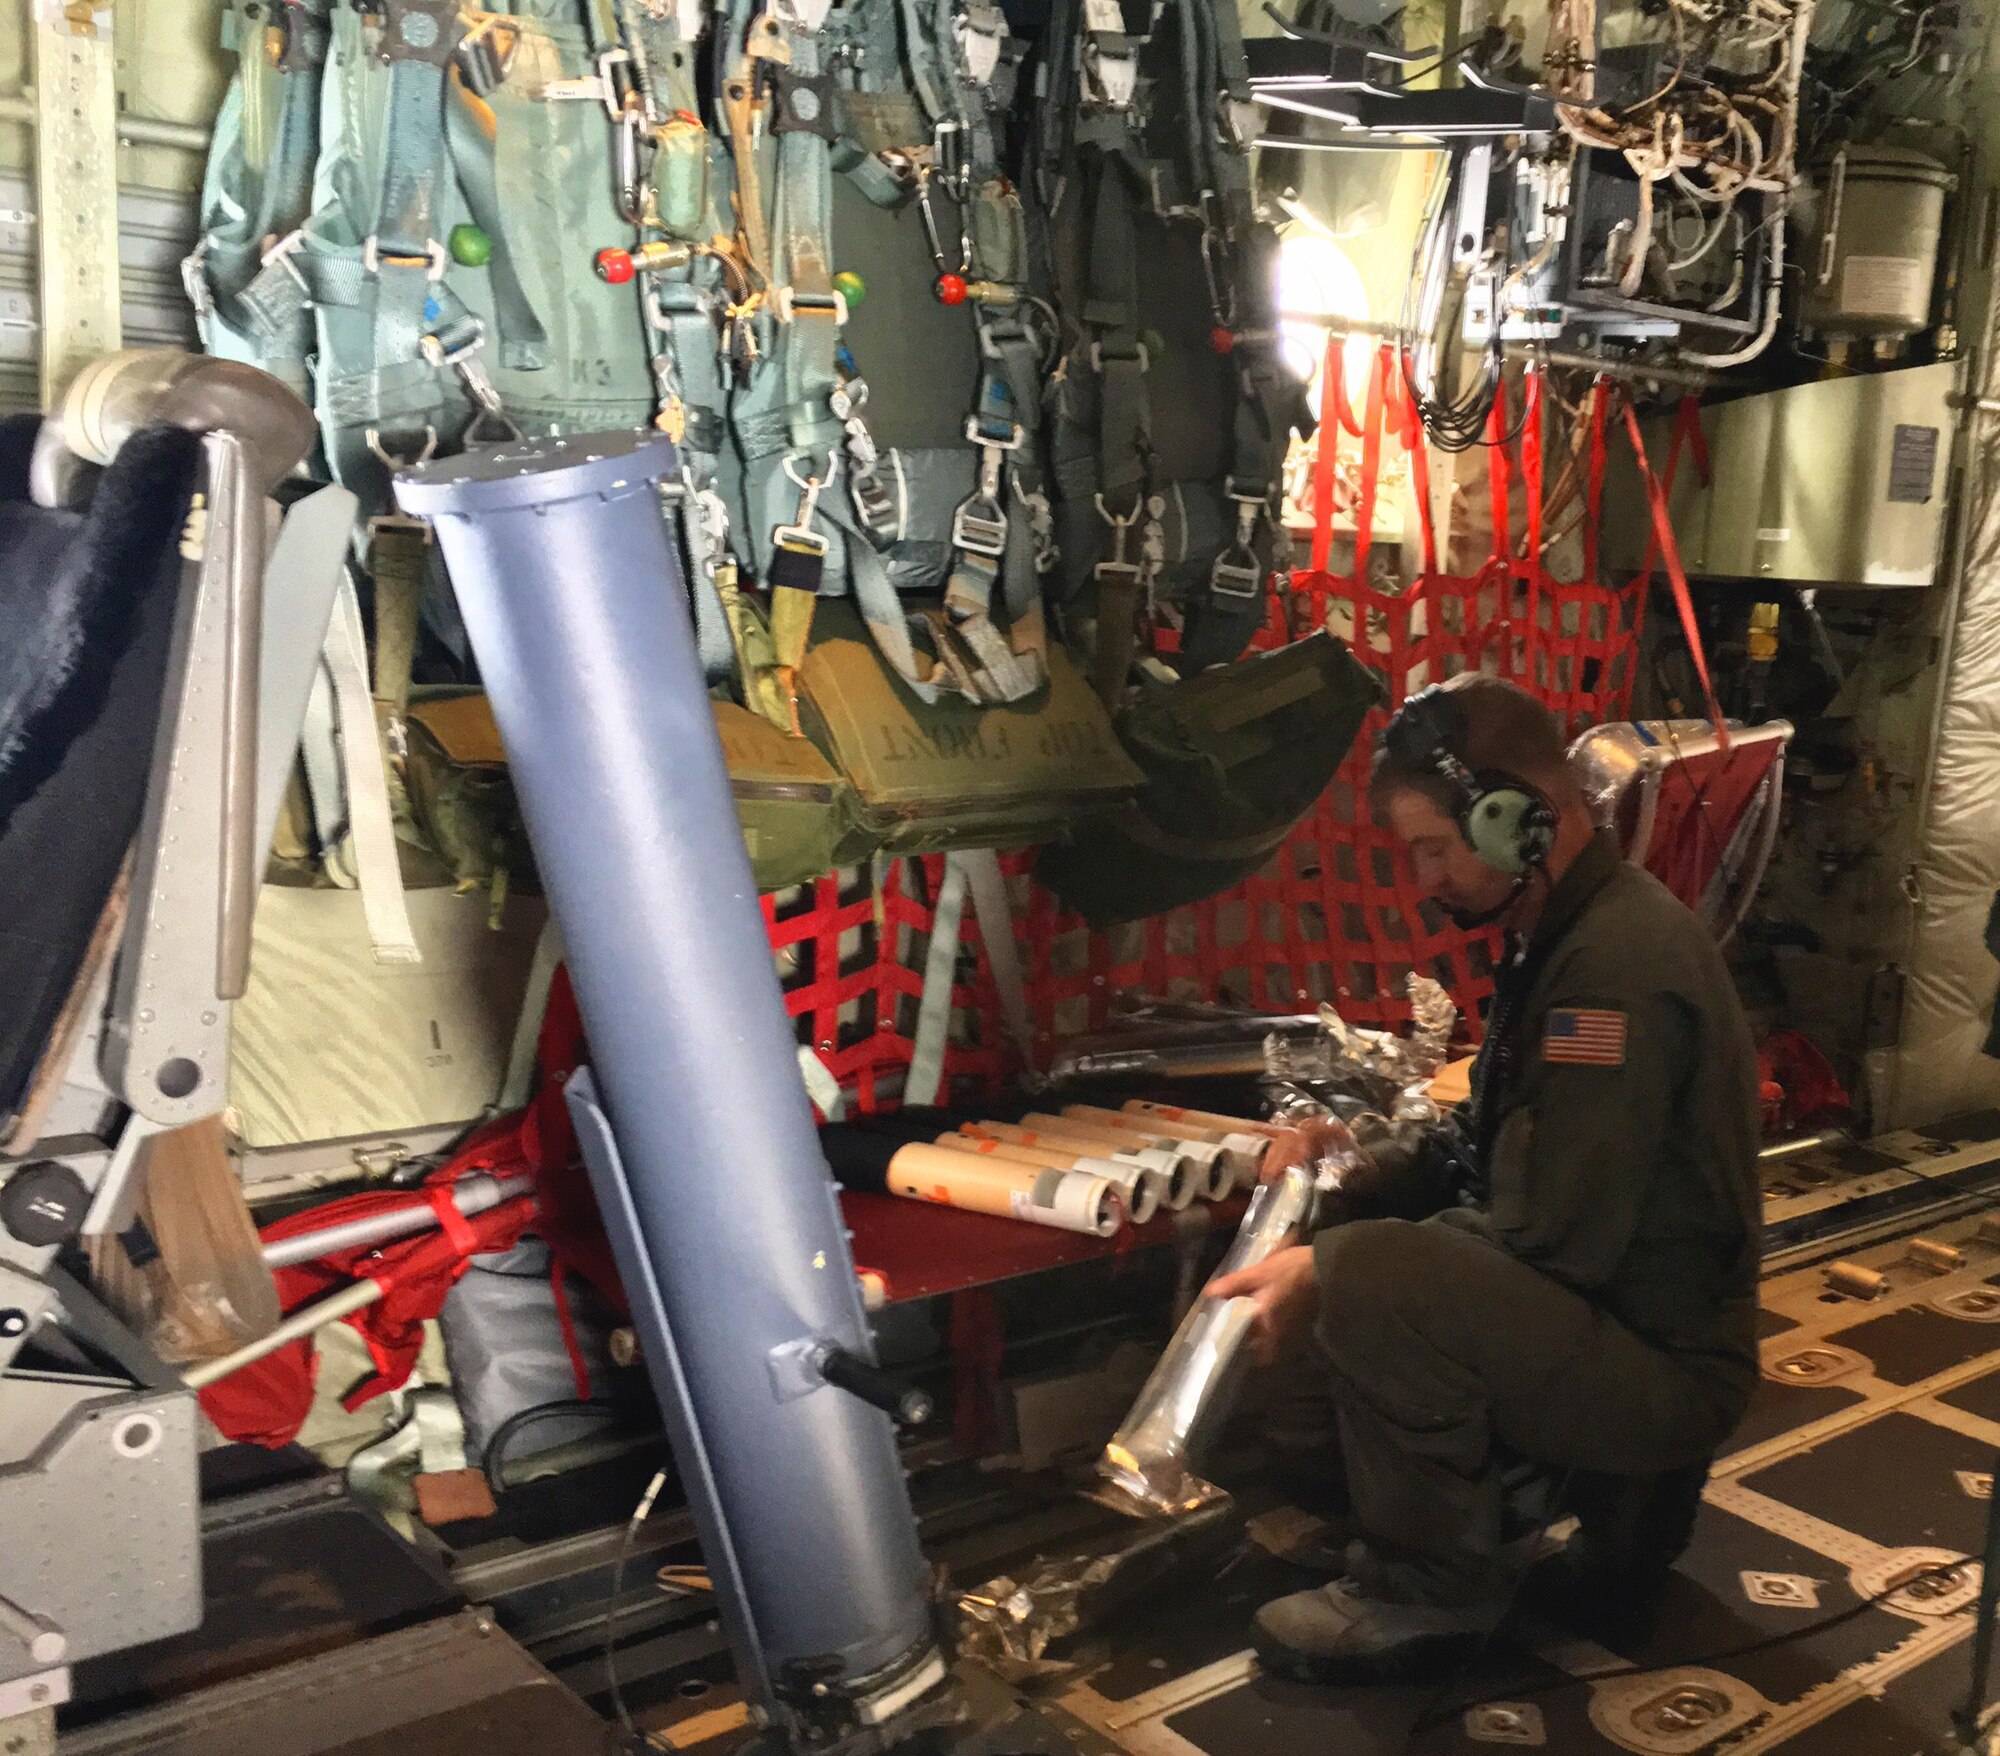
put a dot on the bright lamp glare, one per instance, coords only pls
(1317, 279)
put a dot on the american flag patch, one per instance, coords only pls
(1578, 1036)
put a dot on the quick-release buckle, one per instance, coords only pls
(620, 87)
(800, 539)
(433, 261)
(282, 253)
(982, 433)
(951, 153)
(788, 303)
(1237, 572)
(1108, 67)
(981, 30)
(873, 503)
(979, 527)
(486, 53)
(1141, 354)
(1230, 578)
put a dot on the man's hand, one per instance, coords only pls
(1285, 1290)
(1305, 1143)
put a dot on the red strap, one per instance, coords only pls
(358, 1395)
(1326, 456)
(1394, 397)
(1371, 463)
(1670, 553)
(451, 1222)
(566, 1322)
(1499, 479)
(1499, 566)
(1687, 425)
(1420, 471)
(1531, 460)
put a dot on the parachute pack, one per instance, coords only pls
(964, 334)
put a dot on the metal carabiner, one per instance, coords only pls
(1119, 529)
(1041, 523)
(373, 436)
(953, 160)
(799, 534)
(929, 217)
(631, 202)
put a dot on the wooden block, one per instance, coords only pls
(450, 1495)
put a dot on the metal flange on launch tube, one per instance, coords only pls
(695, 1125)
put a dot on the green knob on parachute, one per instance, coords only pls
(850, 286)
(1153, 342)
(470, 247)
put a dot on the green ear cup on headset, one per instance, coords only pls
(1507, 826)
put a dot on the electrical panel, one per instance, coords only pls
(1665, 180)
(1841, 482)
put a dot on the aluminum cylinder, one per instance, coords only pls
(574, 599)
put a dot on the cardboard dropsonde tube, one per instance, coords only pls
(1143, 1187)
(1200, 1118)
(877, 1163)
(1244, 1152)
(1182, 1179)
(1061, 1199)
(1214, 1179)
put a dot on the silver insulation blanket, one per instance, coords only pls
(1952, 977)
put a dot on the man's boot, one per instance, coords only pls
(1630, 1532)
(1382, 1623)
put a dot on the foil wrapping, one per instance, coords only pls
(1154, 1458)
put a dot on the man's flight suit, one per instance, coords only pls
(1588, 1298)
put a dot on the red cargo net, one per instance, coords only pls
(1333, 917)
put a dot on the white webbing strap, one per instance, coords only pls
(995, 916)
(371, 829)
(519, 1082)
(319, 754)
(926, 1075)
(821, 1086)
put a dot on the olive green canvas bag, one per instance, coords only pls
(928, 777)
(1232, 759)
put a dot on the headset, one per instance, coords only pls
(1504, 820)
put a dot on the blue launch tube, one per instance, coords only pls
(708, 1167)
